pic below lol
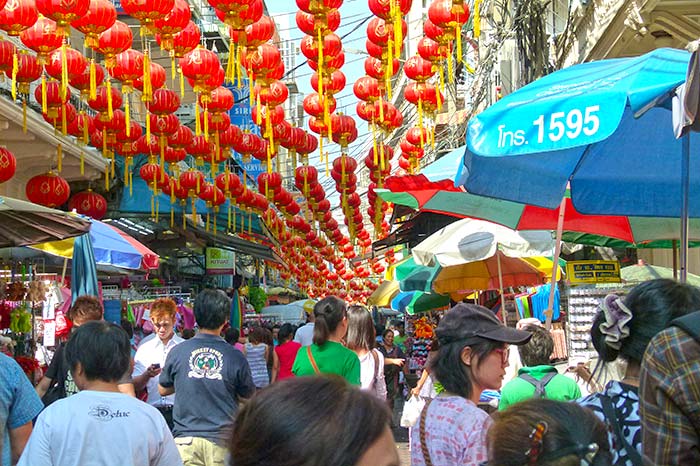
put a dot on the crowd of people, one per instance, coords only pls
(322, 394)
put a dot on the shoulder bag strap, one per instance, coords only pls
(376, 367)
(611, 415)
(423, 443)
(312, 360)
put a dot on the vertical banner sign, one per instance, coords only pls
(220, 261)
(241, 116)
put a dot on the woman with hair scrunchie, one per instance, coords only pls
(623, 328)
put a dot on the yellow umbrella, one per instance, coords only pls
(384, 293)
(544, 265)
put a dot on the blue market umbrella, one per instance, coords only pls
(605, 129)
(84, 269)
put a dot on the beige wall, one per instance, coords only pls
(664, 258)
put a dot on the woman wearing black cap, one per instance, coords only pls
(472, 358)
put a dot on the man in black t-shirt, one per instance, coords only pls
(209, 377)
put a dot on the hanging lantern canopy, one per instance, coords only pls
(18, 15)
(63, 12)
(100, 16)
(49, 190)
(113, 41)
(43, 38)
(89, 203)
(8, 165)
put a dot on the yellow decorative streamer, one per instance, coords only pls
(110, 109)
(43, 93)
(93, 80)
(477, 19)
(15, 67)
(64, 71)
(59, 156)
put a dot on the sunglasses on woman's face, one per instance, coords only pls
(504, 352)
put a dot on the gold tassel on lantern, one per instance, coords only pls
(173, 68)
(110, 109)
(106, 179)
(24, 116)
(44, 105)
(206, 122)
(230, 66)
(147, 94)
(93, 80)
(15, 67)
(64, 120)
(458, 35)
(148, 128)
(197, 123)
(82, 162)
(182, 83)
(127, 114)
(64, 71)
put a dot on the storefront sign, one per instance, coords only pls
(593, 272)
(220, 261)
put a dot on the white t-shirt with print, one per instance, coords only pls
(100, 428)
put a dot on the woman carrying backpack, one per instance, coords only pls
(360, 339)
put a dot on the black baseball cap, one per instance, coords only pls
(471, 323)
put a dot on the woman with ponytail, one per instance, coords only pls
(623, 328)
(327, 355)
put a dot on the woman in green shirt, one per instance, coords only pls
(327, 355)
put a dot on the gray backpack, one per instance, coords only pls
(539, 384)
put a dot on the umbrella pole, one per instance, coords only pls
(63, 273)
(500, 288)
(555, 264)
(685, 180)
(674, 245)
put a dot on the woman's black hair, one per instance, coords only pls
(231, 335)
(328, 312)
(361, 333)
(452, 373)
(571, 433)
(654, 304)
(286, 333)
(102, 349)
(307, 421)
(387, 332)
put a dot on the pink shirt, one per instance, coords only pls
(455, 432)
(286, 353)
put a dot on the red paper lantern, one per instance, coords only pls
(43, 38)
(164, 125)
(7, 53)
(147, 11)
(158, 78)
(54, 100)
(313, 105)
(18, 15)
(331, 86)
(8, 165)
(308, 24)
(230, 184)
(220, 100)
(418, 69)
(151, 173)
(259, 32)
(89, 203)
(128, 68)
(82, 127)
(101, 101)
(174, 22)
(183, 42)
(231, 136)
(100, 16)
(82, 82)
(163, 102)
(200, 65)
(113, 41)
(63, 12)
(332, 46)
(75, 63)
(28, 71)
(181, 138)
(237, 14)
(366, 89)
(49, 190)
(192, 180)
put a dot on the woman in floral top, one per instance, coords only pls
(472, 357)
(623, 328)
